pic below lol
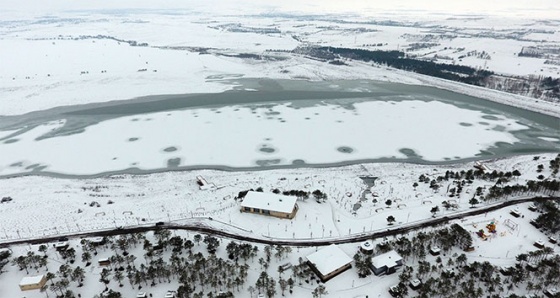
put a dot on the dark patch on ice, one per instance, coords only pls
(465, 124)
(298, 162)
(483, 123)
(272, 113)
(16, 164)
(134, 119)
(10, 141)
(345, 149)
(307, 118)
(267, 149)
(499, 128)
(484, 153)
(267, 162)
(170, 149)
(39, 168)
(409, 153)
(133, 139)
(174, 162)
(356, 206)
(33, 166)
(490, 117)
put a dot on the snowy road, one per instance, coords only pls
(205, 226)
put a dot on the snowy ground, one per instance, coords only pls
(68, 53)
(52, 209)
(69, 61)
(59, 206)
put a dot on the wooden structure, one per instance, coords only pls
(32, 282)
(329, 262)
(270, 204)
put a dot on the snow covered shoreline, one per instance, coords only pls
(127, 200)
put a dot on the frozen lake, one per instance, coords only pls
(265, 123)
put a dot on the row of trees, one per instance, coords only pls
(398, 59)
(301, 194)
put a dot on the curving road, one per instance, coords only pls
(201, 228)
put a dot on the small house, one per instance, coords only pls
(203, 184)
(552, 240)
(104, 262)
(142, 295)
(367, 247)
(170, 294)
(60, 246)
(539, 244)
(415, 284)
(286, 266)
(533, 208)
(553, 292)
(32, 282)
(269, 204)
(515, 212)
(96, 241)
(435, 251)
(329, 262)
(386, 263)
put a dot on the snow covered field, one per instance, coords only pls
(69, 53)
(58, 206)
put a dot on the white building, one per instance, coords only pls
(329, 262)
(269, 204)
(386, 263)
(32, 282)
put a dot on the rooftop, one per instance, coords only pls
(367, 245)
(268, 201)
(388, 259)
(96, 239)
(329, 259)
(31, 280)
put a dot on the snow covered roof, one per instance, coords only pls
(415, 282)
(96, 240)
(388, 259)
(271, 202)
(60, 244)
(329, 259)
(367, 245)
(31, 280)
